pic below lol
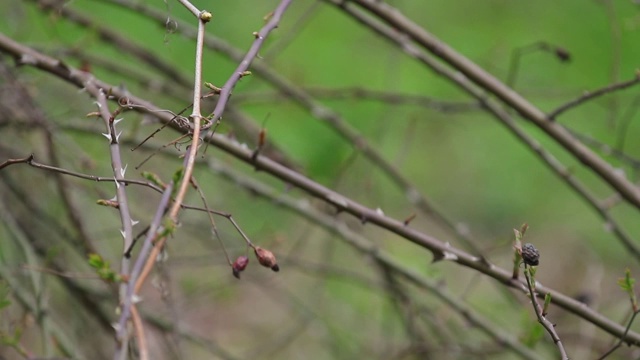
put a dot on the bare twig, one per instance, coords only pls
(518, 53)
(243, 66)
(214, 228)
(139, 329)
(29, 160)
(590, 95)
(121, 42)
(358, 93)
(620, 341)
(542, 319)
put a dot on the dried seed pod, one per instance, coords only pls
(266, 258)
(530, 254)
(239, 265)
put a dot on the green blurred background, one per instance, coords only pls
(330, 302)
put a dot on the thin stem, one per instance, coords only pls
(243, 66)
(590, 95)
(139, 329)
(362, 93)
(549, 327)
(29, 161)
(194, 10)
(196, 117)
(620, 341)
(214, 228)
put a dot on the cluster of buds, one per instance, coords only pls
(265, 258)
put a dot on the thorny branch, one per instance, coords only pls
(333, 120)
(440, 249)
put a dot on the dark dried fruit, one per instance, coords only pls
(530, 254)
(266, 258)
(239, 265)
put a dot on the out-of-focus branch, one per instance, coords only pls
(246, 61)
(122, 43)
(590, 95)
(492, 107)
(360, 93)
(469, 70)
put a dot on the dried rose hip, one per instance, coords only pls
(239, 265)
(266, 258)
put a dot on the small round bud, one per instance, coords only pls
(239, 265)
(266, 258)
(530, 254)
(205, 16)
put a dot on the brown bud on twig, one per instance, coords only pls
(266, 258)
(239, 265)
(563, 54)
(530, 254)
(110, 203)
(205, 16)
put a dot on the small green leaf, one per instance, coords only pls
(154, 178)
(103, 268)
(627, 285)
(627, 282)
(177, 176)
(95, 261)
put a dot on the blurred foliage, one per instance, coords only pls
(328, 301)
